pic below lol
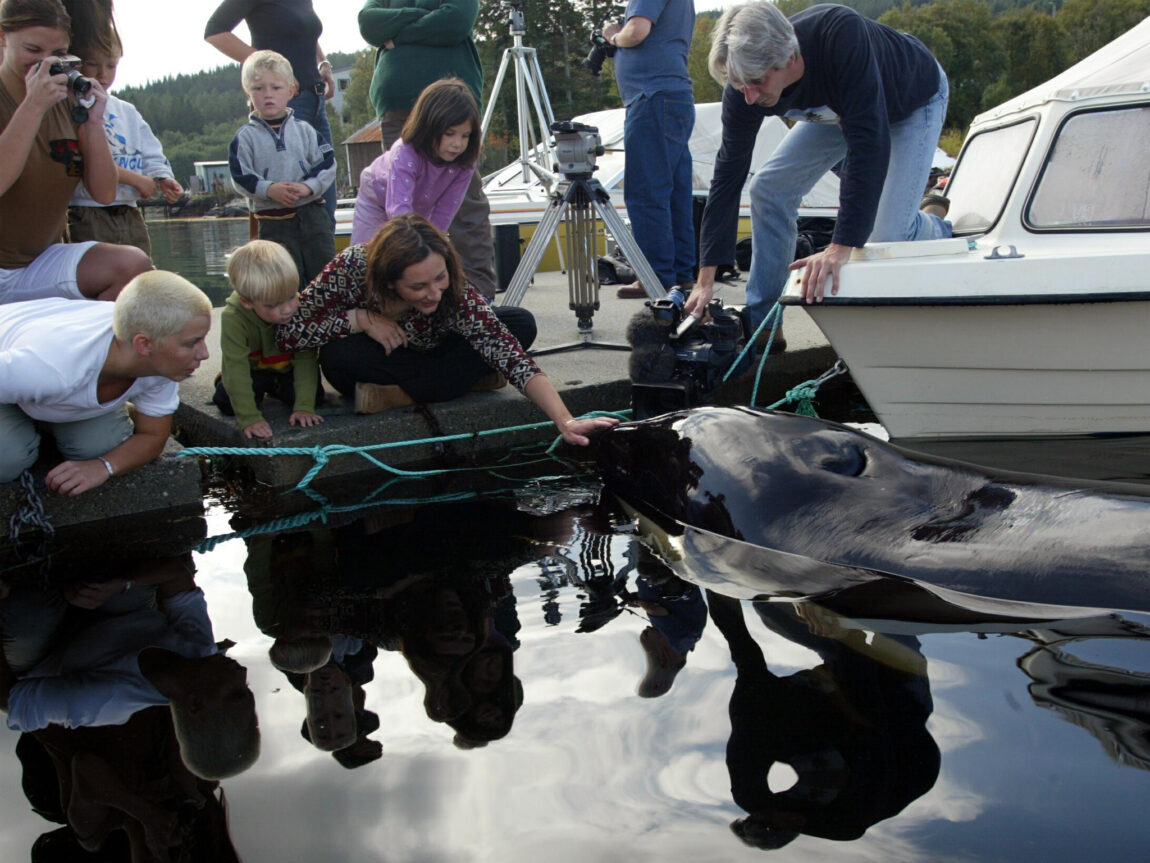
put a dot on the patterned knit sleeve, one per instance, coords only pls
(476, 322)
(323, 305)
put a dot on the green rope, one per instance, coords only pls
(326, 508)
(323, 513)
(321, 455)
(805, 392)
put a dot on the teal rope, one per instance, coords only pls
(321, 455)
(327, 509)
(304, 518)
(805, 392)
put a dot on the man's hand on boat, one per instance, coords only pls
(819, 267)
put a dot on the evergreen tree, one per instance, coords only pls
(961, 36)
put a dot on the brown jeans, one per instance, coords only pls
(470, 230)
(121, 224)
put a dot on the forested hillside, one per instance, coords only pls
(991, 49)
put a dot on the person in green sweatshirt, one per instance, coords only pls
(265, 293)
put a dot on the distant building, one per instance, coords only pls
(361, 149)
(342, 82)
(208, 172)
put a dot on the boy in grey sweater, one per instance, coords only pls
(280, 165)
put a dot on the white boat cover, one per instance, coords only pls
(705, 140)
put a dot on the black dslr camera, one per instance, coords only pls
(678, 364)
(601, 49)
(81, 87)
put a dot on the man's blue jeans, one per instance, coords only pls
(657, 185)
(807, 152)
(312, 109)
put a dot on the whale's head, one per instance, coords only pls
(770, 477)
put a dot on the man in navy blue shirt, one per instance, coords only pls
(651, 71)
(861, 94)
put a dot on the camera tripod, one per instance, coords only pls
(580, 197)
(534, 154)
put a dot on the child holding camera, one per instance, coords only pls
(265, 294)
(282, 167)
(141, 167)
(46, 154)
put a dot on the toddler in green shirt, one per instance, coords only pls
(265, 294)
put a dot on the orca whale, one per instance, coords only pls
(763, 503)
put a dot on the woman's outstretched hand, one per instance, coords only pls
(575, 430)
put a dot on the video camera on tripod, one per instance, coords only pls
(577, 145)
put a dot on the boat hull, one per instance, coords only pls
(998, 369)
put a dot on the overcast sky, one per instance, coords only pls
(163, 38)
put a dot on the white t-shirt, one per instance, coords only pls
(51, 355)
(134, 147)
(93, 677)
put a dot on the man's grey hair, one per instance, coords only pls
(748, 40)
(158, 304)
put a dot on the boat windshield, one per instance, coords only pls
(986, 172)
(1097, 174)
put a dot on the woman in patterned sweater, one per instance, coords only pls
(395, 322)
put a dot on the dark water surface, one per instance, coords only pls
(986, 742)
(197, 249)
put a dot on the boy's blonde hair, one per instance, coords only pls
(263, 272)
(265, 61)
(300, 655)
(216, 743)
(158, 304)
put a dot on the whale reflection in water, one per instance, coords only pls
(763, 504)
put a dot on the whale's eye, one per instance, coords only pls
(846, 459)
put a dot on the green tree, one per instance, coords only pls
(1090, 24)
(960, 35)
(357, 107)
(1036, 49)
(706, 88)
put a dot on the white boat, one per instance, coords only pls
(1034, 320)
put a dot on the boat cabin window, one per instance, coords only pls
(1097, 175)
(986, 171)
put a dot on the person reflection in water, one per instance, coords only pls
(292, 580)
(337, 720)
(98, 652)
(678, 616)
(447, 633)
(853, 729)
(122, 792)
(445, 602)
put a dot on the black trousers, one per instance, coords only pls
(445, 372)
(278, 385)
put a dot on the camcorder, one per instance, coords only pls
(601, 49)
(81, 87)
(576, 147)
(676, 361)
